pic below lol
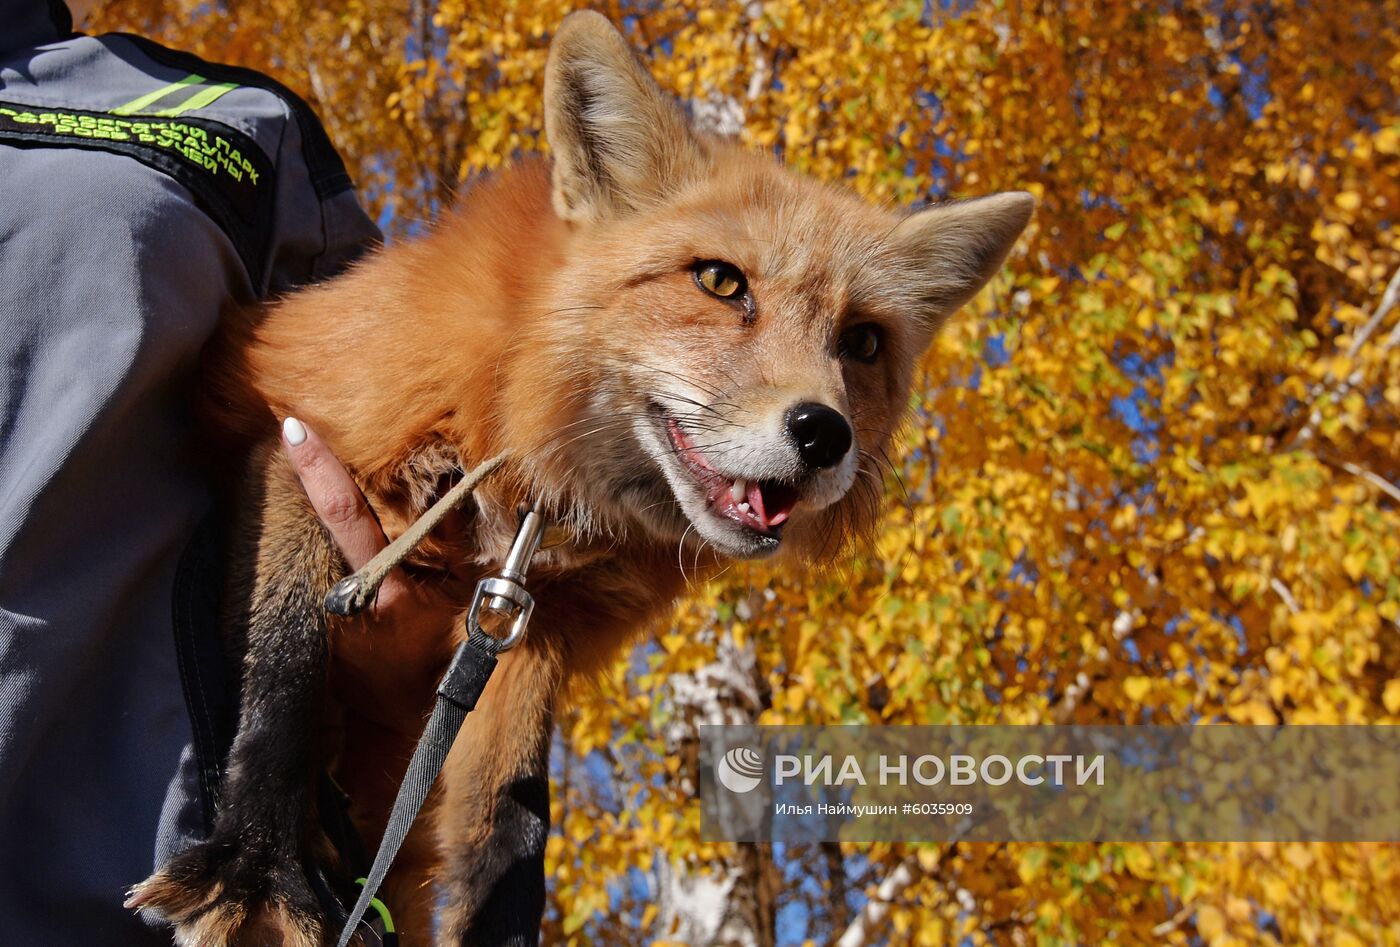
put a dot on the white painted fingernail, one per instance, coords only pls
(294, 432)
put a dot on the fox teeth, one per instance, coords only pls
(739, 490)
(743, 507)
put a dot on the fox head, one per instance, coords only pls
(751, 334)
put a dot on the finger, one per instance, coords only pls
(334, 495)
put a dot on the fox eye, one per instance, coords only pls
(720, 279)
(861, 342)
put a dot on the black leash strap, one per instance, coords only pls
(457, 695)
(503, 595)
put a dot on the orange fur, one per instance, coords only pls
(549, 314)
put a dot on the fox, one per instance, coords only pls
(693, 355)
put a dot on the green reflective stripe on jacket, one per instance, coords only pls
(141, 101)
(203, 97)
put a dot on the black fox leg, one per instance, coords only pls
(246, 884)
(494, 819)
(506, 869)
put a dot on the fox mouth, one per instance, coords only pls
(761, 506)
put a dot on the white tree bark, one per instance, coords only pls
(868, 923)
(712, 905)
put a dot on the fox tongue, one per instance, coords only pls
(773, 509)
(754, 498)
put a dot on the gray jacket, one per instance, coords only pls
(140, 192)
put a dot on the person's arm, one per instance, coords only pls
(398, 645)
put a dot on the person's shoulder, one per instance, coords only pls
(249, 150)
(238, 96)
(315, 229)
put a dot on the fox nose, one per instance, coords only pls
(821, 434)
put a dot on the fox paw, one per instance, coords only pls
(216, 895)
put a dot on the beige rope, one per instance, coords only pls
(352, 593)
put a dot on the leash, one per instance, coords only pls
(503, 595)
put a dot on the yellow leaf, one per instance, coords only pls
(1210, 923)
(1138, 860)
(1391, 698)
(933, 931)
(1276, 890)
(796, 699)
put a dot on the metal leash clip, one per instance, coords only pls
(505, 594)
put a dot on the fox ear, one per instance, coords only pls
(619, 143)
(948, 252)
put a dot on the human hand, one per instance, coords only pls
(387, 660)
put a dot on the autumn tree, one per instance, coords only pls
(1151, 474)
